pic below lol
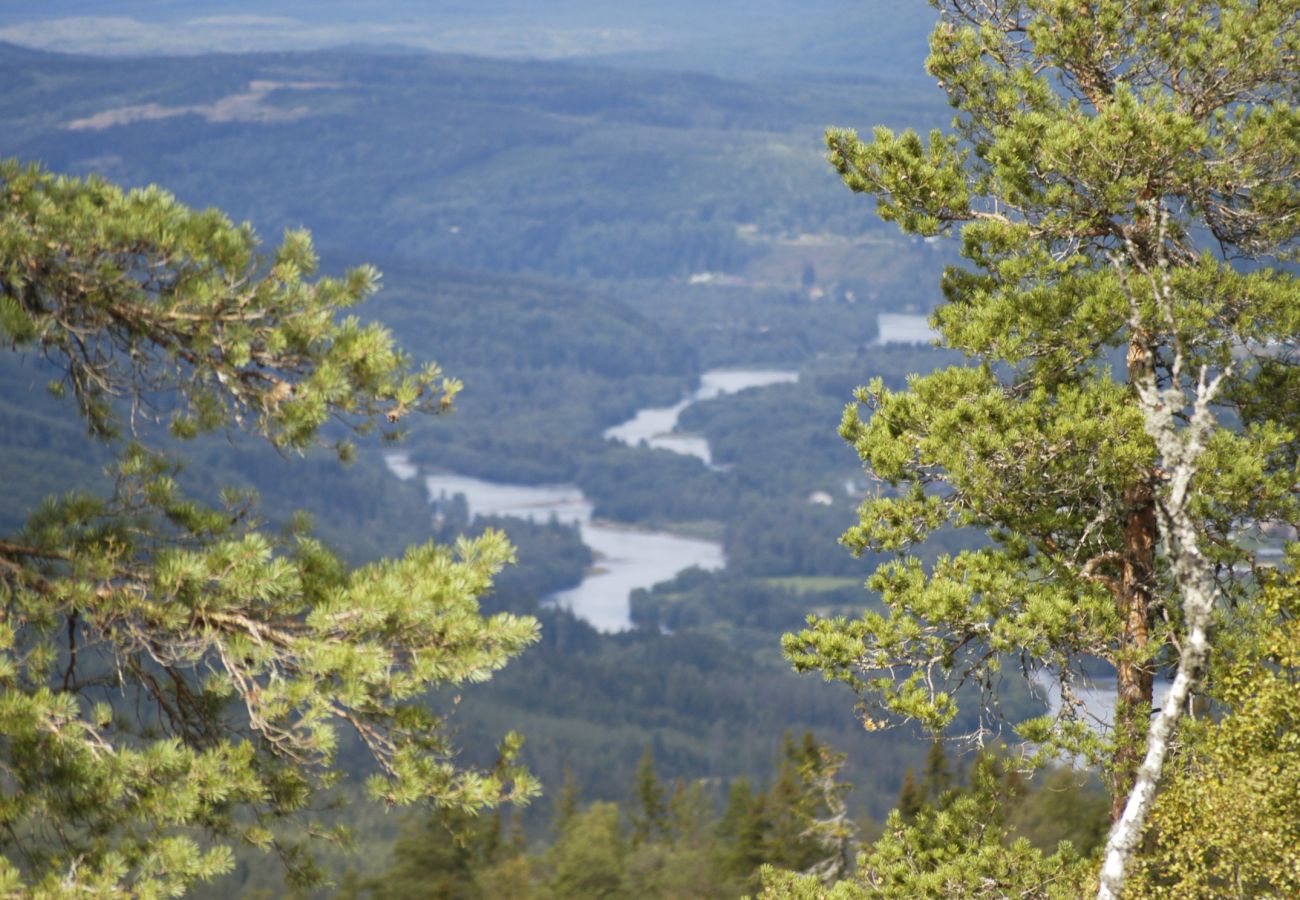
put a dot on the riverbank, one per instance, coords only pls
(630, 557)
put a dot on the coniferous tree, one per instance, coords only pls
(1060, 804)
(1124, 180)
(911, 797)
(689, 864)
(648, 822)
(957, 852)
(689, 812)
(788, 807)
(566, 802)
(937, 779)
(441, 856)
(174, 680)
(830, 828)
(741, 832)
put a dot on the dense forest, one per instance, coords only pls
(235, 622)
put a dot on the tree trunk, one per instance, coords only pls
(1133, 674)
(1133, 689)
(1194, 576)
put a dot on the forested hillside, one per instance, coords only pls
(461, 161)
(537, 227)
(420, 433)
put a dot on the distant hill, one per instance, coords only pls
(878, 38)
(557, 168)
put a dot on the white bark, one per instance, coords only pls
(1180, 450)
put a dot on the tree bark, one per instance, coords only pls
(1133, 689)
(1193, 575)
(1179, 449)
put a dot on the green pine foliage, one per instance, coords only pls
(176, 681)
(178, 678)
(677, 846)
(650, 819)
(1123, 180)
(911, 797)
(993, 833)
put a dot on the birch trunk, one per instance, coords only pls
(1179, 450)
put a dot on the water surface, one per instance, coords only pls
(904, 328)
(657, 426)
(626, 558)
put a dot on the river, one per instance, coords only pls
(626, 558)
(657, 426)
(1097, 696)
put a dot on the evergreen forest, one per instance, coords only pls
(846, 450)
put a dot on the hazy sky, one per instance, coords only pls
(857, 36)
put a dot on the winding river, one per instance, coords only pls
(626, 558)
(657, 427)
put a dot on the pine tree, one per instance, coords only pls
(937, 779)
(911, 797)
(957, 852)
(174, 680)
(787, 810)
(741, 832)
(590, 859)
(829, 826)
(566, 802)
(649, 821)
(688, 812)
(1124, 180)
(440, 856)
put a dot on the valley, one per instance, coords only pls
(659, 446)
